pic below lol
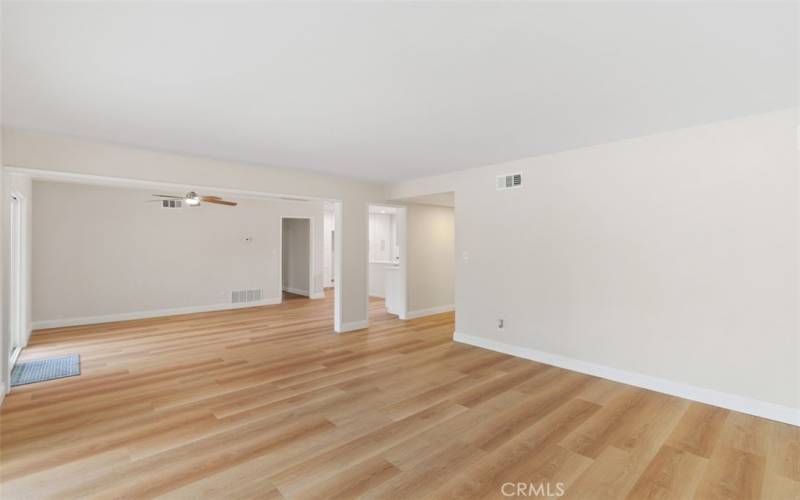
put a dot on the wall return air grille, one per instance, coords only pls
(171, 204)
(243, 296)
(509, 181)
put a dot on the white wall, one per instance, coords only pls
(422, 186)
(44, 153)
(296, 256)
(382, 237)
(431, 258)
(671, 259)
(377, 278)
(102, 251)
(382, 251)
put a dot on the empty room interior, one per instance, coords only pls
(400, 250)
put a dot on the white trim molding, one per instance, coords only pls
(105, 180)
(419, 313)
(111, 318)
(352, 326)
(728, 401)
(317, 295)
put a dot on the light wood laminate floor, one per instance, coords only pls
(268, 403)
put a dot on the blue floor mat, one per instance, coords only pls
(39, 370)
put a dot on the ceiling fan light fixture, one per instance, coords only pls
(192, 199)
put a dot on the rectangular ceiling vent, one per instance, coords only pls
(171, 204)
(509, 181)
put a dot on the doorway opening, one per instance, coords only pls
(428, 236)
(386, 274)
(297, 253)
(16, 266)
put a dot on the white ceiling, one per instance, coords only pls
(389, 91)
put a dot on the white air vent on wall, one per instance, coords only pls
(509, 181)
(171, 203)
(254, 295)
(243, 296)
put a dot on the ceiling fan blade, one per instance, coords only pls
(220, 202)
(210, 198)
(168, 196)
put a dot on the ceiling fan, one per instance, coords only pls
(193, 199)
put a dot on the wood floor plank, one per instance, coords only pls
(673, 474)
(783, 450)
(699, 429)
(354, 481)
(268, 402)
(631, 447)
(594, 435)
(505, 426)
(426, 476)
(485, 478)
(779, 487)
(732, 474)
(293, 479)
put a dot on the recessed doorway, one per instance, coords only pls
(297, 252)
(386, 274)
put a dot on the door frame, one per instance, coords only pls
(310, 254)
(401, 221)
(17, 268)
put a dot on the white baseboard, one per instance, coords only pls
(317, 295)
(353, 325)
(109, 318)
(733, 402)
(295, 291)
(419, 313)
